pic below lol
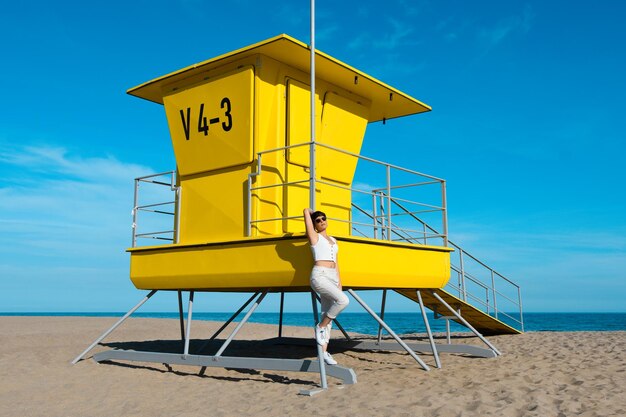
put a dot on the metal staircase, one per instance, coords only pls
(484, 323)
(488, 300)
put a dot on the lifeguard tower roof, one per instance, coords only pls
(386, 101)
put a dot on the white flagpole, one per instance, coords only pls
(312, 148)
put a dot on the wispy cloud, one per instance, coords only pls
(393, 44)
(393, 34)
(290, 15)
(326, 33)
(398, 35)
(65, 213)
(492, 36)
(557, 270)
(487, 35)
(56, 160)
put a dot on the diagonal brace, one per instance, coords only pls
(465, 323)
(240, 325)
(115, 326)
(391, 332)
(204, 345)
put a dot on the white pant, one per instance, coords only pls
(325, 282)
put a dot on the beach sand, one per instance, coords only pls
(539, 374)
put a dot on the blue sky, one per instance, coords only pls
(527, 127)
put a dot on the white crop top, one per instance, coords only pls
(323, 250)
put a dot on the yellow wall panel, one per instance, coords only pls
(343, 126)
(286, 263)
(211, 123)
(213, 207)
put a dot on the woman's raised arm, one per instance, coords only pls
(310, 228)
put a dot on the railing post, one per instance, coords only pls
(383, 216)
(249, 211)
(173, 180)
(493, 288)
(444, 204)
(462, 281)
(388, 202)
(519, 298)
(177, 205)
(374, 215)
(487, 299)
(134, 225)
(259, 166)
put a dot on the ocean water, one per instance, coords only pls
(401, 323)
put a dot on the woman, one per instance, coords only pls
(324, 276)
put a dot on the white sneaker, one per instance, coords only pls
(329, 359)
(320, 335)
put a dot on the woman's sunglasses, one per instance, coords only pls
(320, 219)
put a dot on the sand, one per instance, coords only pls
(539, 374)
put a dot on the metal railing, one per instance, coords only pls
(380, 224)
(169, 208)
(476, 281)
(393, 216)
(486, 289)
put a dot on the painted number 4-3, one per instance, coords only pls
(204, 122)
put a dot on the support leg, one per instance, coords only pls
(382, 315)
(240, 325)
(227, 322)
(430, 333)
(206, 342)
(391, 332)
(320, 353)
(180, 316)
(465, 323)
(280, 317)
(120, 321)
(188, 333)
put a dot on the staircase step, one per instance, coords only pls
(481, 321)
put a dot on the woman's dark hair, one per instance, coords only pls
(317, 214)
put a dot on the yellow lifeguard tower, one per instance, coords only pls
(240, 130)
(247, 165)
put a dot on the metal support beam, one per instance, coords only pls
(392, 346)
(204, 345)
(188, 332)
(320, 352)
(347, 375)
(280, 317)
(430, 333)
(465, 323)
(241, 323)
(382, 315)
(206, 342)
(120, 321)
(391, 332)
(180, 315)
(423, 348)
